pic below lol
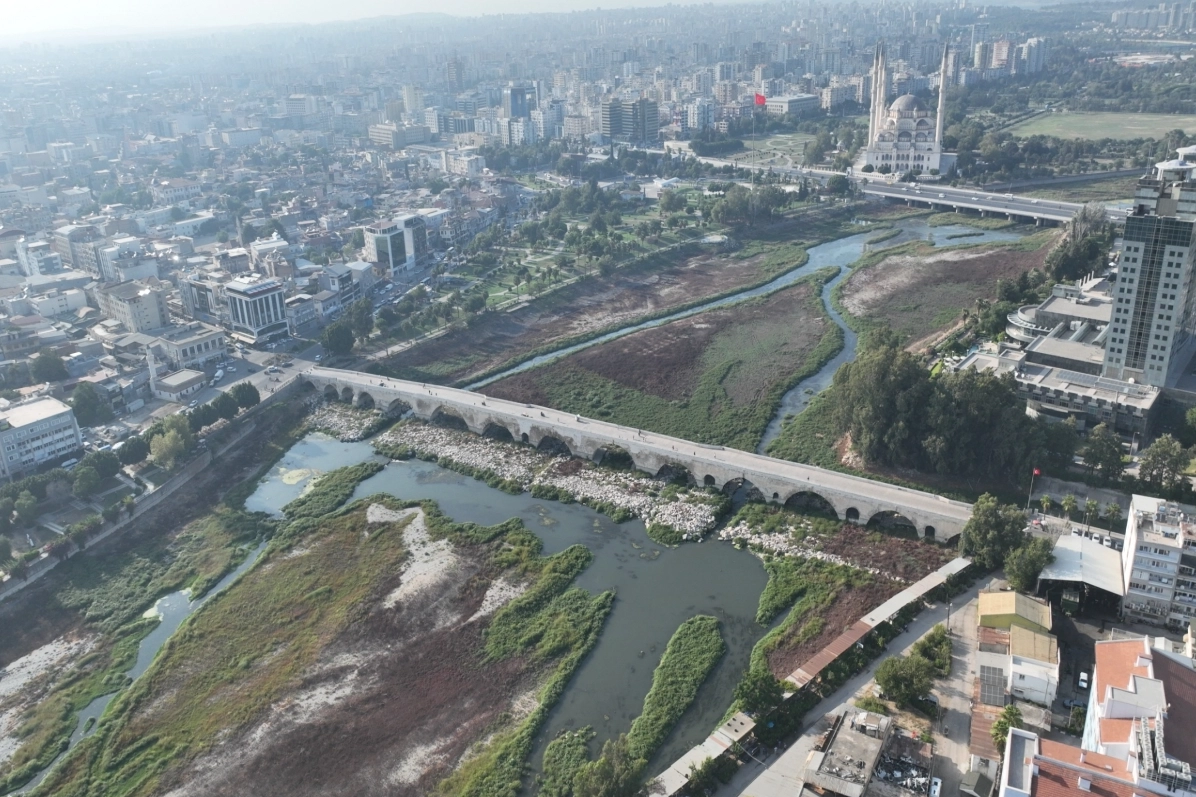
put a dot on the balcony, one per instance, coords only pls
(1021, 327)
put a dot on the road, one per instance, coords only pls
(974, 199)
(781, 777)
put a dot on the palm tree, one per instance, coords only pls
(1069, 505)
(1091, 510)
(1113, 513)
(1045, 502)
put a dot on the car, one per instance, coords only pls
(287, 364)
(1082, 681)
(936, 787)
(942, 196)
(231, 369)
(319, 357)
(1072, 702)
(192, 404)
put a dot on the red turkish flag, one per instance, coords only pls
(1037, 472)
(761, 99)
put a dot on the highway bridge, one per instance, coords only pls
(851, 497)
(986, 203)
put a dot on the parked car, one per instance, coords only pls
(1072, 702)
(1082, 681)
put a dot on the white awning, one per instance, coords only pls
(1082, 559)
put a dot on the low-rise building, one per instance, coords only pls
(792, 104)
(327, 305)
(192, 345)
(301, 311)
(35, 433)
(178, 385)
(843, 764)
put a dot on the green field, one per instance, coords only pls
(1104, 125)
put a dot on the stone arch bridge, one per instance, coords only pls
(850, 497)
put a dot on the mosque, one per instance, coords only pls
(904, 136)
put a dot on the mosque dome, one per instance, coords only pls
(907, 102)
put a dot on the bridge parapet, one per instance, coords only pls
(851, 497)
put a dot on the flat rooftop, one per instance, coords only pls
(853, 747)
(1044, 378)
(1093, 310)
(180, 379)
(1064, 349)
(34, 411)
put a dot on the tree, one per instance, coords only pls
(1091, 510)
(87, 481)
(1070, 505)
(105, 463)
(615, 774)
(1023, 565)
(1163, 463)
(1113, 512)
(6, 506)
(361, 319)
(246, 395)
(167, 448)
(992, 532)
(671, 202)
(48, 367)
(134, 450)
(5, 550)
(337, 338)
(90, 408)
(1010, 717)
(905, 679)
(111, 512)
(758, 691)
(201, 416)
(225, 406)
(26, 507)
(838, 185)
(1102, 453)
(1045, 502)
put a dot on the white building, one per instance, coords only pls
(192, 345)
(256, 308)
(37, 257)
(34, 433)
(1160, 579)
(904, 136)
(174, 191)
(397, 245)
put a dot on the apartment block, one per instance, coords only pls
(34, 433)
(1159, 562)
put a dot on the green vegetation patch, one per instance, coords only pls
(968, 220)
(563, 759)
(691, 654)
(1095, 126)
(331, 490)
(721, 388)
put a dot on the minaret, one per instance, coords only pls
(879, 91)
(941, 118)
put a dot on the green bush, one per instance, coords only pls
(330, 491)
(691, 654)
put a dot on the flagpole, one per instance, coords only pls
(1030, 495)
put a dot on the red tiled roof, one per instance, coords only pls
(1065, 753)
(1116, 663)
(825, 657)
(983, 717)
(1057, 780)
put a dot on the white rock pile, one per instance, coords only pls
(688, 513)
(345, 423)
(785, 543)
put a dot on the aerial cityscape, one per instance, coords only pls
(788, 399)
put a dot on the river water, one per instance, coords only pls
(838, 254)
(171, 610)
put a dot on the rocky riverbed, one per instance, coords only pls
(679, 513)
(345, 423)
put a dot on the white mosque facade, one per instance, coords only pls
(904, 136)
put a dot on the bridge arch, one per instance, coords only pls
(347, 394)
(750, 491)
(397, 407)
(893, 522)
(496, 431)
(448, 419)
(611, 456)
(811, 502)
(364, 401)
(709, 481)
(331, 393)
(675, 473)
(851, 515)
(551, 444)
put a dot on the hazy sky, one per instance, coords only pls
(28, 18)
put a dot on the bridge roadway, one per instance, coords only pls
(986, 202)
(852, 497)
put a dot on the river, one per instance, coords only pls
(171, 610)
(840, 254)
(657, 587)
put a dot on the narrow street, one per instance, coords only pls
(781, 777)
